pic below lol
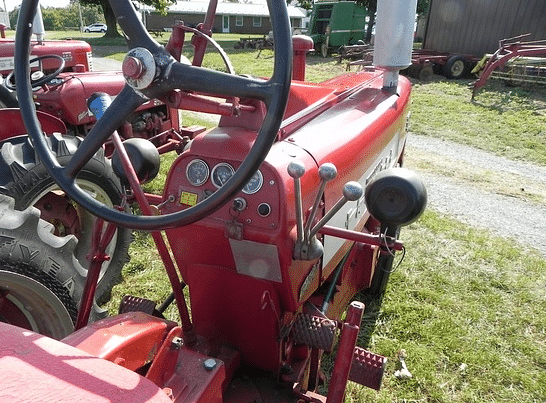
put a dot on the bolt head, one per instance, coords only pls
(210, 364)
(176, 343)
(132, 67)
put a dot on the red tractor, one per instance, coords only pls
(48, 57)
(273, 221)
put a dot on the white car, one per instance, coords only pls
(98, 27)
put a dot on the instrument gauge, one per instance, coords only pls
(221, 173)
(254, 184)
(197, 172)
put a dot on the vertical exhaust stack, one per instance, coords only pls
(38, 26)
(394, 38)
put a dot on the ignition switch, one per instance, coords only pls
(239, 204)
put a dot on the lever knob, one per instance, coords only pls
(296, 169)
(327, 171)
(352, 191)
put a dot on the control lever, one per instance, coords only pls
(327, 172)
(352, 191)
(308, 247)
(296, 169)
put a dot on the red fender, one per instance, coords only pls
(12, 123)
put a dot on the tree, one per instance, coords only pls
(69, 17)
(110, 18)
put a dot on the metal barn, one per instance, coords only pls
(476, 26)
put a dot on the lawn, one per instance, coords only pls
(468, 307)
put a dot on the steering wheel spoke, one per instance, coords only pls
(201, 80)
(136, 34)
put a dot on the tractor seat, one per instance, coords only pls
(37, 368)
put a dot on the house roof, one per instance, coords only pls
(225, 8)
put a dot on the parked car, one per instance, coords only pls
(97, 27)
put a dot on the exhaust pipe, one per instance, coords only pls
(394, 39)
(38, 26)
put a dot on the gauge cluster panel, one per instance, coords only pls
(257, 205)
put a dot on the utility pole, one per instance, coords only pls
(81, 19)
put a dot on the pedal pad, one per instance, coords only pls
(314, 331)
(136, 304)
(367, 368)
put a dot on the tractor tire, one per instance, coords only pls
(24, 178)
(324, 49)
(41, 282)
(7, 98)
(456, 67)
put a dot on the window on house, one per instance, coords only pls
(257, 21)
(239, 21)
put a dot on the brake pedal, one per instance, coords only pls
(130, 303)
(367, 368)
(314, 331)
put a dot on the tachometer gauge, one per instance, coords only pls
(197, 172)
(254, 184)
(221, 174)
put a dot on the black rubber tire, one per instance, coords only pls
(7, 98)
(24, 178)
(456, 67)
(40, 279)
(324, 49)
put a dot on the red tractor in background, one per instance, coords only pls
(273, 221)
(49, 57)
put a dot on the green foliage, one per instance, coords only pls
(58, 19)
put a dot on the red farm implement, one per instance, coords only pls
(517, 62)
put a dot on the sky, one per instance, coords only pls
(11, 4)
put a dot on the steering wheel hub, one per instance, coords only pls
(139, 68)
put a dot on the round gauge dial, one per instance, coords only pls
(254, 184)
(197, 172)
(221, 174)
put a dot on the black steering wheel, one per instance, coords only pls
(159, 73)
(9, 83)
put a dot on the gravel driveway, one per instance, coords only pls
(504, 212)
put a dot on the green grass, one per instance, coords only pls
(467, 307)
(503, 120)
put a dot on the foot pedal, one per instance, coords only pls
(136, 304)
(367, 368)
(314, 331)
